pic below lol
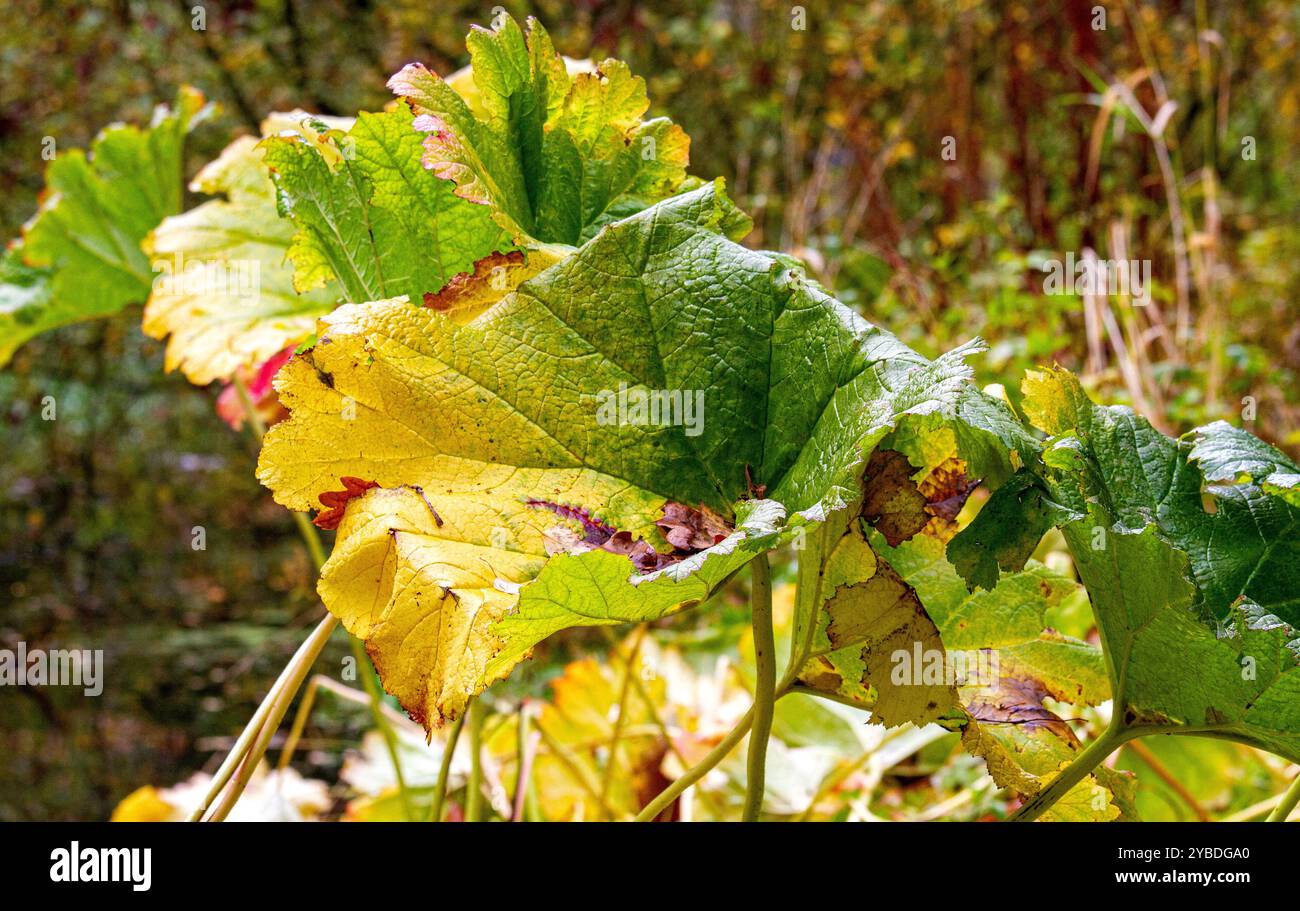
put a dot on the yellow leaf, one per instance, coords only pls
(225, 294)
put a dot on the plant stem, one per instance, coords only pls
(242, 745)
(444, 770)
(764, 685)
(526, 750)
(317, 683)
(813, 557)
(307, 532)
(1091, 757)
(1254, 810)
(262, 726)
(1288, 803)
(698, 771)
(474, 790)
(299, 722)
(629, 671)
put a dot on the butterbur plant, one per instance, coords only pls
(458, 297)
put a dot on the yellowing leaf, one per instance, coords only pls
(144, 804)
(1025, 745)
(501, 434)
(226, 295)
(879, 646)
(424, 588)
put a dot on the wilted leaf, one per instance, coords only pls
(1025, 745)
(879, 640)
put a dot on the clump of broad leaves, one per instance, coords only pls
(465, 279)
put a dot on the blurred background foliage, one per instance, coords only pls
(1169, 135)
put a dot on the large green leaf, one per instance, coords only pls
(495, 436)
(554, 157)
(1227, 453)
(369, 216)
(1192, 585)
(1174, 672)
(80, 257)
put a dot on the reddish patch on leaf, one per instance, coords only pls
(900, 508)
(336, 501)
(692, 530)
(687, 529)
(644, 557)
(597, 532)
(947, 488)
(1019, 701)
(465, 281)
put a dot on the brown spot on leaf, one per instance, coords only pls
(689, 530)
(1018, 700)
(947, 488)
(890, 500)
(900, 508)
(692, 530)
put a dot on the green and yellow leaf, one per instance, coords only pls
(80, 256)
(503, 479)
(225, 297)
(553, 156)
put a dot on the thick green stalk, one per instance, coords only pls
(807, 603)
(764, 685)
(293, 676)
(444, 770)
(474, 791)
(1092, 756)
(1289, 800)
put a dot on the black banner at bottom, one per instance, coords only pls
(305, 861)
